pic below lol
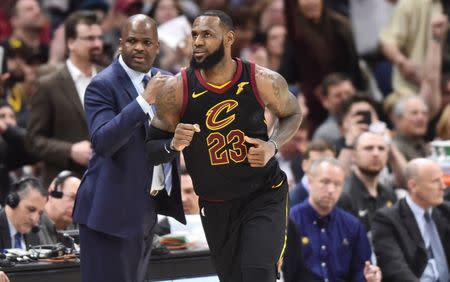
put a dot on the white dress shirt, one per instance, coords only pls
(80, 79)
(136, 78)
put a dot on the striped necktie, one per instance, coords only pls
(145, 80)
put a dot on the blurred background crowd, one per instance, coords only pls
(372, 78)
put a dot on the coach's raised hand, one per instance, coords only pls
(155, 85)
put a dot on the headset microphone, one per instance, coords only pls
(59, 181)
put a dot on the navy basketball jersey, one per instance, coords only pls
(217, 157)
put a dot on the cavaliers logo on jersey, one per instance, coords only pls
(214, 120)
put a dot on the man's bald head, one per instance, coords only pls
(139, 19)
(425, 182)
(413, 168)
(139, 43)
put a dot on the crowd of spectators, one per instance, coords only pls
(372, 78)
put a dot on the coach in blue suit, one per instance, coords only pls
(113, 206)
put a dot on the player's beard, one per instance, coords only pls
(370, 172)
(211, 60)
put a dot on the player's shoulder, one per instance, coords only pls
(266, 73)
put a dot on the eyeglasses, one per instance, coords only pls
(90, 38)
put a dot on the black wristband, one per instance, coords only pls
(168, 147)
(157, 146)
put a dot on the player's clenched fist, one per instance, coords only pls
(183, 135)
(260, 153)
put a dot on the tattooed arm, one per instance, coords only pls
(166, 131)
(168, 101)
(273, 90)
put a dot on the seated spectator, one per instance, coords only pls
(330, 242)
(411, 239)
(336, 88)
(12, 149)
(188, 196)
(316, 149)
(363, 192)
(410, 117)
(20, 218)
(357, 115)
(189, 200)
(58, 210)
(193, 230)
(275, 38)
(354, 117)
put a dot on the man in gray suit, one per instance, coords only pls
(57, 129)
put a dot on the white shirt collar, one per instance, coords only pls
(417, 210)
(12, 234)
(12, 229)
(75, 72)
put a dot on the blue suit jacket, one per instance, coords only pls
(113, 196)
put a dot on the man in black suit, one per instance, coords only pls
(18, 220)
(411, 239)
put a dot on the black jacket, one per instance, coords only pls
(12, 156)
(5, 237)
(398, 244)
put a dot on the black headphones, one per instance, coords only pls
(59, 181)
(13, 198)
